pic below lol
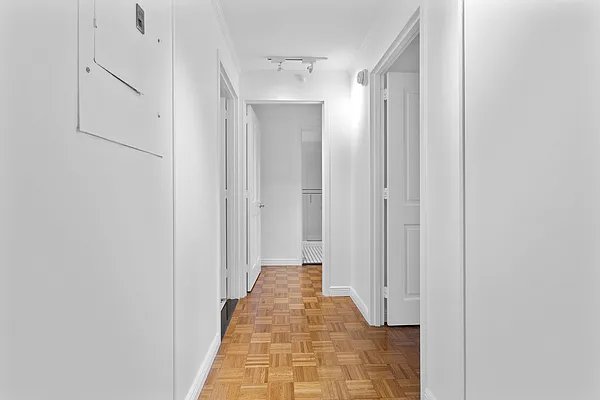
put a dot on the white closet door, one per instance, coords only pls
(313, 209)
(253, 200)
(223, 295)
(403, 204)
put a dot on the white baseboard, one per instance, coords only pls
(348, 291)
(204, 370)
(360, 304)
(339, 291)
(283, 262)
(427, 395)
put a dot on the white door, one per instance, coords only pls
(226, 208)
(223, 200)
(253, 200)
(312, 216)
(403, 204)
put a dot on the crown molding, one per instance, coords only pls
(218, 8)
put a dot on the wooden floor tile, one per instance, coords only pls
(280, 391)
(287, 341)
(253, 392)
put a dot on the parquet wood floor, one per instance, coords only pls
(287, 341)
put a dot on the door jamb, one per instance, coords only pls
(235, 269)
(326, 167)
(415, 25)
(404, 39)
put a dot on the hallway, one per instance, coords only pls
(287, 341)
(434, 165)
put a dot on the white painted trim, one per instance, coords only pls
(348, 291)
(283, 262)
(237, 273)
(404, 39)
(204, 369)
(224, 28)
(339, 291)
(427, 395)
(417, 24)
(360, 304)
(463, 204)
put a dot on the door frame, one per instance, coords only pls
(326, 167)
(235, 289)
(415, 26)
(404, 39)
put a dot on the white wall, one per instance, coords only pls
(333, 88)
(442, 323)
(86, 262)
(532, 195)
(197, 39)
(441, 212)
(281, 178)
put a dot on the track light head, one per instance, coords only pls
(295, 63)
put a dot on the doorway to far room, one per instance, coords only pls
(288, 140)
(312, 196)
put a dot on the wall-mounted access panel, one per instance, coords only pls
(125, 72)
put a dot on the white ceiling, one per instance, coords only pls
(329, 28)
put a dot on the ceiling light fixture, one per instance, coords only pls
(295, 63)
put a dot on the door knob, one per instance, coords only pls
(261, 205)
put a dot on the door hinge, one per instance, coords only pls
(386, 292)
(386, 193)
(386, 94)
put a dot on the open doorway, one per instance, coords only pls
(312, 193)
(227, 196)
(396, 159)
(285, 190)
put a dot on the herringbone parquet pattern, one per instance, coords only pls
(287, 341)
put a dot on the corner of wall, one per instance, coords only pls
(224, 28)
(360, 304)
(204, 369)
(349, 291)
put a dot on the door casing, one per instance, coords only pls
(326, 167)
(416, 25)
(236, 287)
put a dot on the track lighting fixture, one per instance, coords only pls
(295, 63)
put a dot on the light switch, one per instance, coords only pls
(139, 19)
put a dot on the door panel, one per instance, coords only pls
(223, 199)
(121, 45)
(403, 204)
(254, 205)
(312, 210)
(227, 156)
